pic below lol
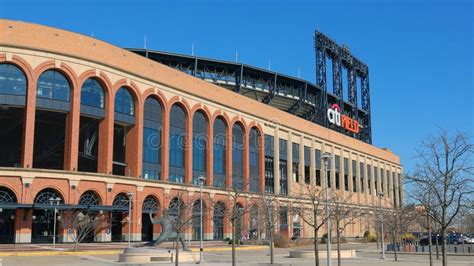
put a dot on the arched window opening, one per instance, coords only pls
(150, 206)
(254, 159)
(124, 121)
(121, 203)
(89, 198)
(254, 232)
(219, 153)
(237, 157)
(92, 114)
(44, 215)
(13, 86)
(7, 216)
(176, 210)
(177, 142)
(152, 135)
(196, 219)
(199, 146)
(53, 85)
(218, 221)
(239, 215)
(52, 103)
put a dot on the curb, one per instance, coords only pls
(107, 252)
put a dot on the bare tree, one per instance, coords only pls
(270, 207)
(316, 215)
(180, 212)
(235, 211)
(82, 224)
(444, 168)
(343, 213)
(399, 221)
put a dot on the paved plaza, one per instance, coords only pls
(221, 255)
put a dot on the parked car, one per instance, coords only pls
(424, 240)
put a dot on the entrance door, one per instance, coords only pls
(42, 228)
(147, 228)
(7, 227)
(117, 227)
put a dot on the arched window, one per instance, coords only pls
(12, 80)
(152, 133)
(150, 205)
(196, 219)
(43, 197)
(53, 85)
(254, 222)
(218, 220)
(238, 213)
(92, 112)
(124, 118)
(7, 196)
(177, 135)
(176, 210)
(121, 200)
(92, 94)
(199, 146)
(124, 102)
(237, 156)
(219, 153)
(89, 198)
(254, 159)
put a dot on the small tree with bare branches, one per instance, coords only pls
(314, 216)
(82, 224)
(445, 169)
(270, 208)
(343, 213)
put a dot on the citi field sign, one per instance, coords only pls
(336, 118)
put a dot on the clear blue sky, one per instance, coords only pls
(420, 55)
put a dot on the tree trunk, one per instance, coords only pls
(444, 247)
(429, 241)
(395, 247)
(271, 245)
(176, 257)
(316, 247)
(233, 244)
(338, 238)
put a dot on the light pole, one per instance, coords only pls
(130, 196)
(201, 179)
(54, 202)
(326, 157)
(380, 194)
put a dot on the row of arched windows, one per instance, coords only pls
(52, 109)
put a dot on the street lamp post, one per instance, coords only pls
(54, 202)
(380, 194)
(201, 179)
(326, 157)
(130, 196)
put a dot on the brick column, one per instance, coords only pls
(133, 155)
(301, 163)
(210, 154)
(312, 167)
(106, 137)
(29, 125)
(261, 156)
(289, 164)
(72, 130)
(276, 162)
(245, 157)
(188, 151)
(165, 153)
(228, 165)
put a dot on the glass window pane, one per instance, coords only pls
(12, 80)
(92, 93)
(53, 85)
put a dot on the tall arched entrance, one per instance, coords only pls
(150, 206)
(7, 216)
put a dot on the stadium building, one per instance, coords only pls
(91, 125)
